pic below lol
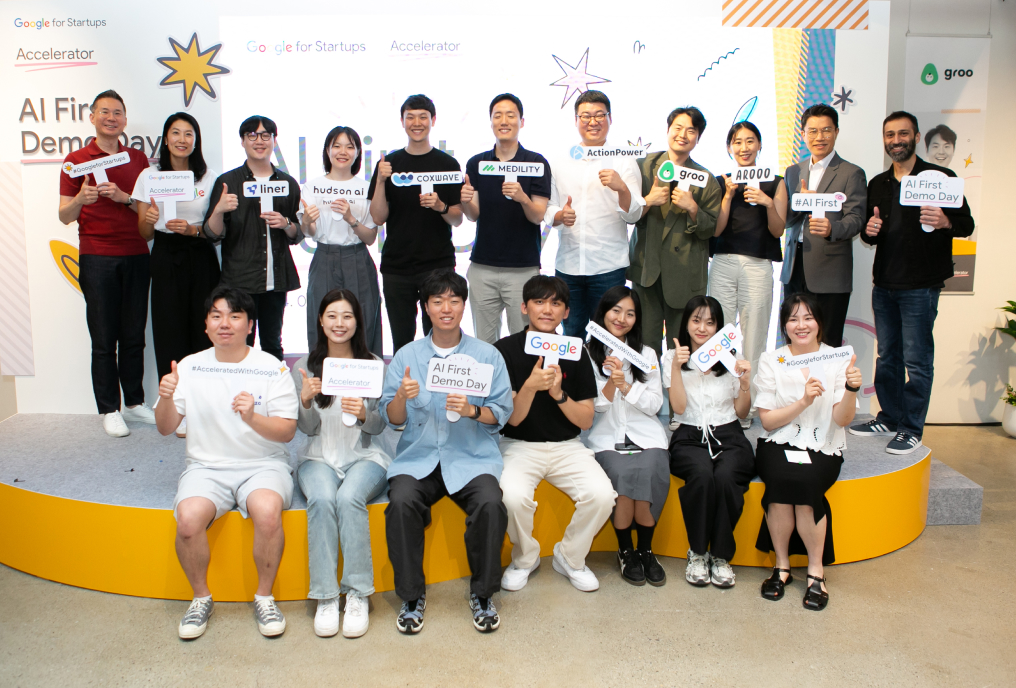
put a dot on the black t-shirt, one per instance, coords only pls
(417, 239)
(747, 232)
(505, 238)
(545, 421)
(894, 268)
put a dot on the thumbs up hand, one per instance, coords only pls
(854, 378)
(310, 388)
(409, 388)
(152, 214)
(167, 386)
(311, 213)
(568, 214)
(228, 202)
(88, 194)
(659, 194)
(467, 192)
(804, 187)
(874, 224)
(384, 169)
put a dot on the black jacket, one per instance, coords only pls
(907, 257)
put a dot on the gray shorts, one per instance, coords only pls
(230, 485)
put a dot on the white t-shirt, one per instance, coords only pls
(191, 211)
(710, 397)
(330, 227)
(216, 434)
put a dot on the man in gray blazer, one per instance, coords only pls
(819, 254)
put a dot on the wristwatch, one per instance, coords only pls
(564, 397)
(479, 410)
(447, 207)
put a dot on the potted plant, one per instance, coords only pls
(1009, 414)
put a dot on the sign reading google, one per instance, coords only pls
(553, 347)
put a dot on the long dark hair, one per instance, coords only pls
(196, 160)
(354, 138)
(787, 309)
(315, 359)
(597, 352)
(715, 312)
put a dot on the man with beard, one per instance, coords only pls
(911, 266)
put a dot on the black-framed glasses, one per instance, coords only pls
(253, 135)
(586, 118)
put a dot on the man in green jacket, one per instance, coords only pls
(669, 249)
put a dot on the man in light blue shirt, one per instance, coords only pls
(436, 457)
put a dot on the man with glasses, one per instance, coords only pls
(819, 258)
(255, 245)
(592, 202)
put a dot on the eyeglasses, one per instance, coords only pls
(826, 132)
(586, 118)
(265, 135)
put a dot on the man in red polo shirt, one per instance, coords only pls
(113, 266)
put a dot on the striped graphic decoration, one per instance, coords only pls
(818, 74)
(16, 355)
(796, 14)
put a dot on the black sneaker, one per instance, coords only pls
(410, 618)
(903, 443)
(873, 428)
(655, 575)
(631, 566)
(485, 618)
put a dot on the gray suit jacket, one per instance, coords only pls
(828, 261)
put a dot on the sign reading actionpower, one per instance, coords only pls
(426, 180)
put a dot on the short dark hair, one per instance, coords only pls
(546, 287)
(597, 350)
(743, 124)
(820, 110)
(418, 102)
(196, 160)
(698, 120)
(715, 312)
(506, 96)
(592, 97)
(443, 281)
(901, 114)
(110, 93)
(252, 123)
(787, 309)
(236, 299)
(943, 132)
(354, 138)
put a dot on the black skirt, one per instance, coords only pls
(795, 483)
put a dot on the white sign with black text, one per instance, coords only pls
(97, 168)
(620, 349)
(352, 377)
(553, 347)
(818, 204)
(816, 362)
(752, 176)
(459, 374)
(169, 187)
(933, 188)
(426, 180)
(266, 191)
(511, 170)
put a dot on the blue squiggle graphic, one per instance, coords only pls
(717, 62)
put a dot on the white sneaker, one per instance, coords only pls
(270, 620)
(583, 579)
(142, 413)
(114, 426)
(181, 430)
(356, 620)
(326, 619)
(697, 570)
(196, 619)
(515, 578)
(720, 572)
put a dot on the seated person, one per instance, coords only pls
(436, 457)
(628, 439)
(241, 406)
(341, 469)
(708, 449)
(552, 405)
(800, 450)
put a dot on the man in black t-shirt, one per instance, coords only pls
(552, 405)
(418, 238)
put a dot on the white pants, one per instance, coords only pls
(493, 291)
(572, 468)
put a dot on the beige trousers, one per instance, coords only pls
(493, 291)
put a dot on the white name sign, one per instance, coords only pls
(169, 187)
(241, 377)
(934, 188)
(426, 180)
(752, 176)
(352, 377)
(266, 191)
(685, 177)
(595, 152)
(511, 170)
(816, 362)
(818, 204)
(620, 349)
(327, 193)
(459, 374)
(553, 347)
(718, 349)
(96, 168)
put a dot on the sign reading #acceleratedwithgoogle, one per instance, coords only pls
(553, 347)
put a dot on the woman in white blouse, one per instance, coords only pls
(336, 214)
(800, 451)
(628, 440)
(341, 469)
(708, 449)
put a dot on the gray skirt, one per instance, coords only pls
(345, 267)
(643, 476)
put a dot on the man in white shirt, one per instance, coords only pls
(592, 202)
(241, 406)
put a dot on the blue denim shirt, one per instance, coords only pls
(465, 449)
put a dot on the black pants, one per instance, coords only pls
(834, 305)
(271, 306)
(402, 294)
(184, 272)
(116, 310)
(408, 513)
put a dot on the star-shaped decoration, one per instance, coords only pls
(192, 67)
(842, 99)
(638, 144)
(968, 161)
(576, 79)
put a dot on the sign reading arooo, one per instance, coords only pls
(266, 191)
(459, 374)
(97, 167)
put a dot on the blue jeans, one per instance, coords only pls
(337, 512)
(586, 292)
(904, 326)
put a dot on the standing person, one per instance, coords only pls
(113, 264)
(418, 238)
(800, 450)
(628, 439)
(708, 450)
(255, 245)
(552, 404)
(669, 248)
(236, 452)
(343, 229)
(184, 266)
(341, 470)
(436, 457)
(748, 230)
(592, 202)
(819, 256)
(911, 266)
(507, 216)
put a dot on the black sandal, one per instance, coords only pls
(815, 598)
(773, 587)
